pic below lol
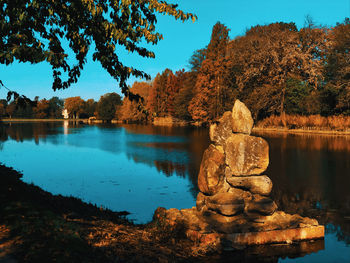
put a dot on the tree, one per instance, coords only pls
(208, 101)
(2, 109)
(42, 108)
(182, 100)
(135, 111)
(74, 106)
(297, 98)
(267, 57)
(90, 108)
(337, 65)
(108, 105)
(38, 30)
(55, 107)
(158, 103)
(197, 59)
(11, 109)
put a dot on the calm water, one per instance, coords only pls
(139, 168)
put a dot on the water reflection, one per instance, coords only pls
(39, 131)
(165, 151)
(310, 173)
(311, 177)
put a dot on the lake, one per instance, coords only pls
(137, 168)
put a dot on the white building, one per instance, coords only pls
(65, 114)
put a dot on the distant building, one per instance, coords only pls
(65, 114)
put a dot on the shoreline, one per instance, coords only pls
(37, 120)
(56, 120)
(37, 226)
(255, 129)
(299, 131)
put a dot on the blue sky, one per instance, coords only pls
(180, 40)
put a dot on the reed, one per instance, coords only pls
(311, 122)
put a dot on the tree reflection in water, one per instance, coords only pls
(311, 177)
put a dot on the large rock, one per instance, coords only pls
(260, 184)
(228, 203)
(200, 202)
(231, 196)
(242, 121)
(246, 155)
(261, 205)
(211, 173)
(230, 209)
(225, 224)
(221, 130)
(194, 220)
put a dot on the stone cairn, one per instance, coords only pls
(233, 204)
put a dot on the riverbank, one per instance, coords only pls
(57, 120)
(36, 226)
(299, 131)
(260, 128)
(33, 120)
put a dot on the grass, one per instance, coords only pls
(312, 122)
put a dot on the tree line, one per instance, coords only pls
(104, 109)
(274, 69)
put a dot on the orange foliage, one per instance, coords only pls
(41, 110)
(74, 106)
(132, 110)
(208, 101)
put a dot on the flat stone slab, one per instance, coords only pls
(242, 240)
(234, 232)
(276, 236)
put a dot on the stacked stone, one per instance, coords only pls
(233, 191)
(233, 207)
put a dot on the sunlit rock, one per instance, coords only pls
(194, 220)
(211, 173)
(261, 205)
(242, 121)
(246, 155)
(200, 202)
(227, 203)
(222, 129)
(260, 184)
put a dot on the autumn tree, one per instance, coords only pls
(74, 106)
(55, 107)
(89, 108)
(337, 66)
(42, 108)
(107, 106)
(208, 101)
(266, 58)
(43, 30)
(158, 102)
(187, 81)
(2, 109)
(197, 59)
(136, 111)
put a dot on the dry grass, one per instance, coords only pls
(312, 122)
